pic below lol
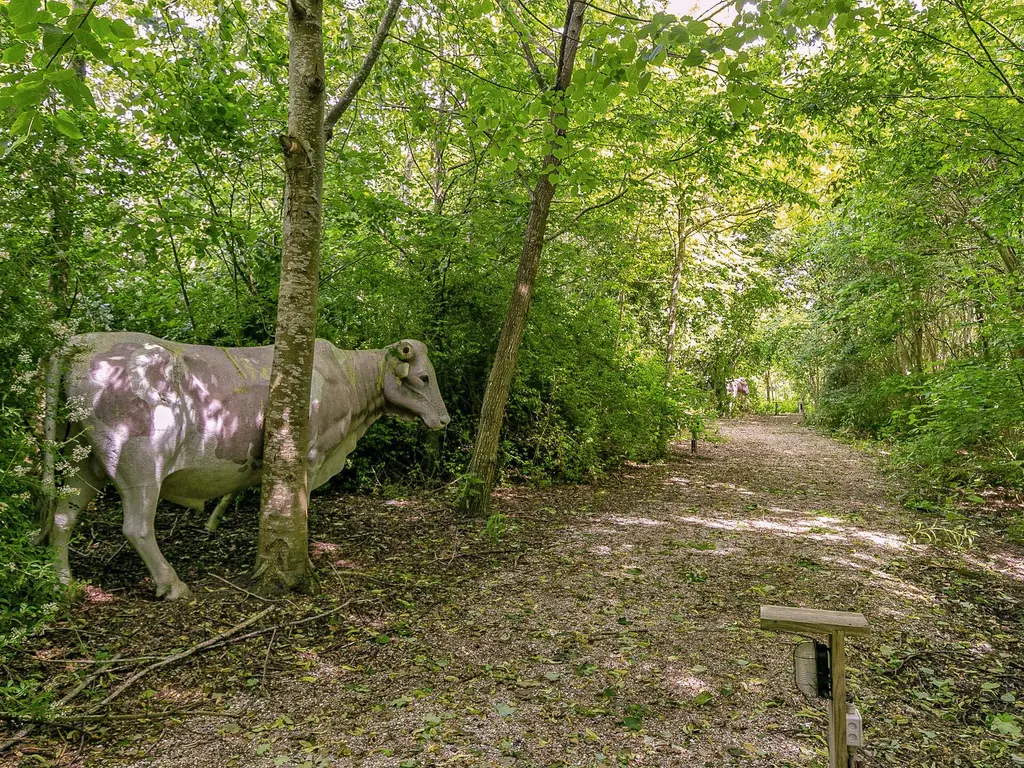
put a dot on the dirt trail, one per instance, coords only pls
(628, 634)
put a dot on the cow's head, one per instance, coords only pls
(410, 385)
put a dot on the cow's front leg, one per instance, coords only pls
(139, 527)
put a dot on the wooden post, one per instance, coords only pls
(837, 625)
(837, 717)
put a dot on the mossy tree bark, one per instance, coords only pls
(484, 461)
(282, 557)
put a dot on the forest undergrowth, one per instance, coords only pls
(607, 624)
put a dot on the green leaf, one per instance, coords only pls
(75, 91)
(504, 709)
(100, 27)
(122, 29)
(702, 698)
(14, 54)
(27, 95)
(64, 122)
(633, 722)
(91, 44)
(53, 38)
(22, 11)
(23, 122)
(1006, 724)
(696, 28)
(695, 58)
(737, 107)
(678, 35)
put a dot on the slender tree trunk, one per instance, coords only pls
(62, 196)
(63, 199)
(484, 461)
(618, 324)
(282, 557)
(673, 297)
(431, 464)
(282, 560)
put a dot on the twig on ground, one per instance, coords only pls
(934, 652)
(116, 552)
(258, 632)
(242, 590)
(266, 658)
(483, 553)
(76, 722)
(182, 655)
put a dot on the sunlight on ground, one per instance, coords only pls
(618, 520)
(893, 584)
(999, 564)
(688, 684)
(806, 529)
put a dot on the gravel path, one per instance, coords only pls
(629, 636)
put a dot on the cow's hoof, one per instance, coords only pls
(176, 590)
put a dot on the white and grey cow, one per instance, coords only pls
(182, 422)
(737, 389)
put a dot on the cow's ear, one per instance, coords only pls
(401, 370)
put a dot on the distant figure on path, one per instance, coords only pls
(737, 389)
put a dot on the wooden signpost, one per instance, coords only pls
(837, 625)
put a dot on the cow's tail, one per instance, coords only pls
(48, 497)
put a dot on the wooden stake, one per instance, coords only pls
(837, 717)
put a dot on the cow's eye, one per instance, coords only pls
(425, 379)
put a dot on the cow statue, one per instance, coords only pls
(737, 390)
(163, 420)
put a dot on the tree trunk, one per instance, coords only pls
(63, 199)
(282, 556)
(673, 297)
(431, 464)
(484, 461)
(282, 560)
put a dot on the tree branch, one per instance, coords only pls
(525, 41)
(181, 655)
(1000, 74)
(359, 78)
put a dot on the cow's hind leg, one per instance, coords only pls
(139, 527)
(77, 493)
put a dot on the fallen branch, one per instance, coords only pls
(182, 655)
(241, 589)
(482, 553)
(258, 632)
(60, 702)
(80, 721)
(932, 652)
